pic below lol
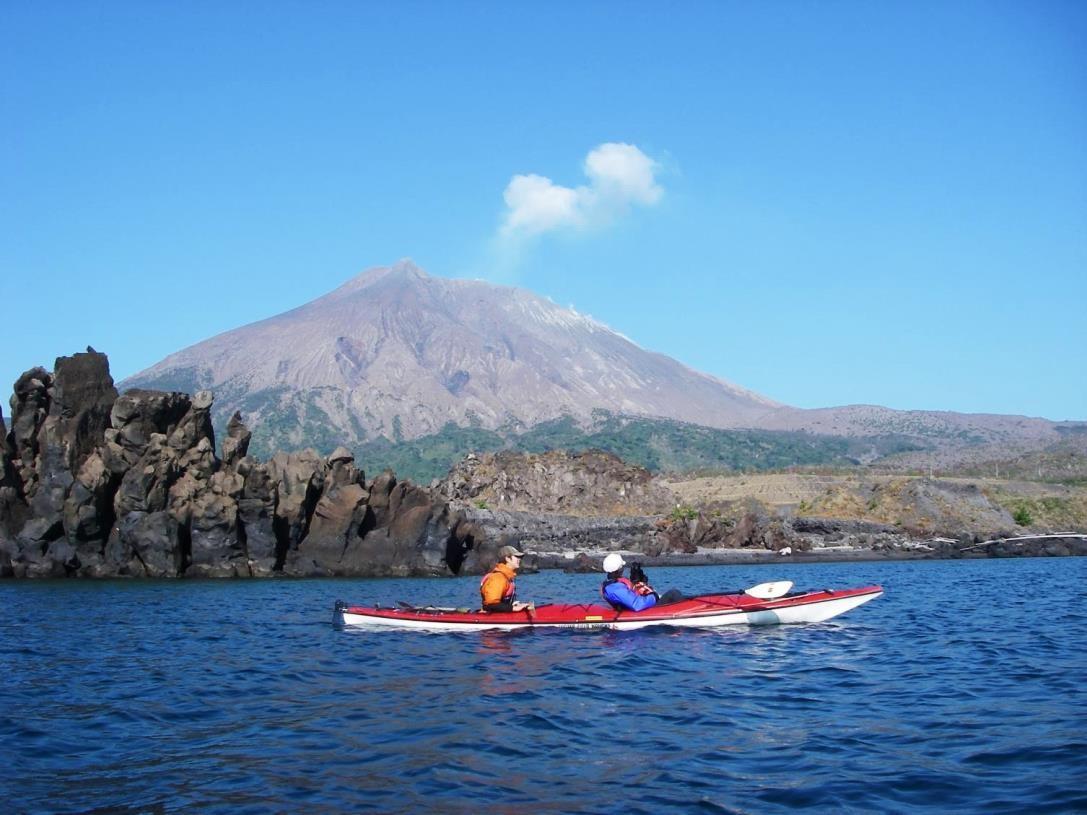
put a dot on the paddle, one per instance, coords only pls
(770, 591)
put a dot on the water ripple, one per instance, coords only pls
(949, 693)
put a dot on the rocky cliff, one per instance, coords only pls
(592, 484)
(96, 484)
(570, 510)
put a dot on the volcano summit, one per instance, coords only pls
(398, 353)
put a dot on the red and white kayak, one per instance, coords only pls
(766, 604)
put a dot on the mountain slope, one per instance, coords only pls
(397, 353)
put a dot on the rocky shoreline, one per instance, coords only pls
(98, 484)
(1070, 547)
(579, 544)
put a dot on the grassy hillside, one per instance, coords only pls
(928, 506)
(1061, 463)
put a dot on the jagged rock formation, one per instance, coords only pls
(585, 484)
(93, 484)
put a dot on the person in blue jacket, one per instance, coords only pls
(620, 592)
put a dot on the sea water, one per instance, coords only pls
(962, 689)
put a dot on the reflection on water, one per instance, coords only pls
(240, 696)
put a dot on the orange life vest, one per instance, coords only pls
(499, 572)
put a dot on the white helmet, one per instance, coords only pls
(614, 562)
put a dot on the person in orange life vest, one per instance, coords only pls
(497, 588)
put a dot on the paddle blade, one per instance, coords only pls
(770, 591)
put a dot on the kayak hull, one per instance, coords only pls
(706, 611)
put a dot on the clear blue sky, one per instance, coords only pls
(852, 202)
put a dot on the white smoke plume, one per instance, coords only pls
(620, 176)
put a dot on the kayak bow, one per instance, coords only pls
(705, 611)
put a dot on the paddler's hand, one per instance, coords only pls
(519, 606)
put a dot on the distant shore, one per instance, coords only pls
(750, 557)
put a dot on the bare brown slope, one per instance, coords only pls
(397, 352)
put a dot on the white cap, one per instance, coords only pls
(614, 562)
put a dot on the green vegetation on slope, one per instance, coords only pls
(659, 445)
(292, 421)
(429, 457)
(1056, 513)
(1062, 463)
